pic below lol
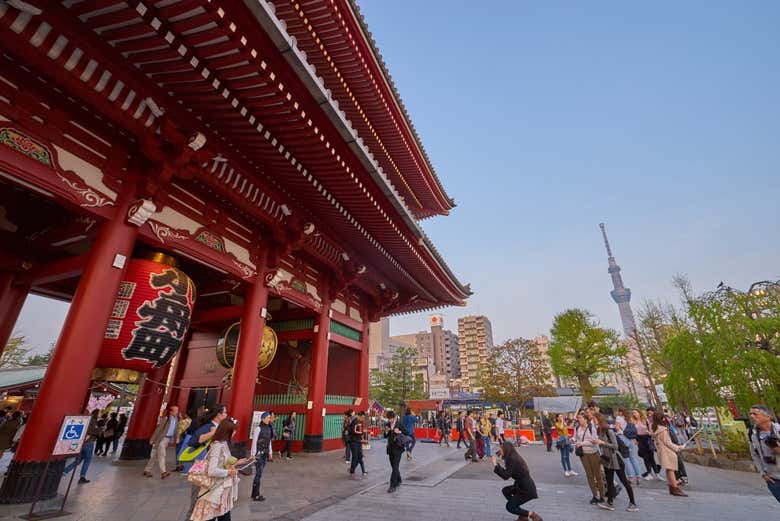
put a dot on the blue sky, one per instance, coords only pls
(545, 118)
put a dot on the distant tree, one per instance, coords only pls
(579, 348)
(398, 383)
(39, 359)
(613, 403)
(516, 372)
(15, 353)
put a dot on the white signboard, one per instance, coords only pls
(255, 422)
(439, 393)
(72, 435)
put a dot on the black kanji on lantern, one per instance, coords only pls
(165, 319)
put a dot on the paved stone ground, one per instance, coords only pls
(438, 485)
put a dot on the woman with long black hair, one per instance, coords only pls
(523, 489)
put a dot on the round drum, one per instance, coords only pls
(227, 345)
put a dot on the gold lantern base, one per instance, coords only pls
(116, 375)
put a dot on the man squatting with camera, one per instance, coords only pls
(765, 447)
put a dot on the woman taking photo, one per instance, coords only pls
(613, 464)
(586, 447)
(564, 445)
(523, 489)
(667, 452)
(216, 501)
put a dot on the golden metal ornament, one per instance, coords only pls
(267, 348)
(227, 345)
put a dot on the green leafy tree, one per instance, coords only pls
(626, 401)
(15, 353)
(579, 348)
(398, 383)
(517, 371)
(722, 349)
(41, 359)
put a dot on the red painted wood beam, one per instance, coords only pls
(58, 270)
(217, 315)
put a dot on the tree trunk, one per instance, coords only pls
(585, 388)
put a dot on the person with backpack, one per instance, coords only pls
(612, 461)
(396, 443)
(765, 447)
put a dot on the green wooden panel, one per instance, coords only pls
(335, 399)
(345, 331)
(300, 426)
(279, 399)
(331, 426)
(303, 324)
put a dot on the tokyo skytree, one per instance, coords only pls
(620, 294)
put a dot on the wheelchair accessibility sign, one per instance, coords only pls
(72, 435)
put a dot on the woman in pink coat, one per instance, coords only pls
(667, 452)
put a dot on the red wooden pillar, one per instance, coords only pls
(146, 411)
(363, 364)
(318, 378)
(175, 392)
(12, 297)
(242, 393)
(64, 388)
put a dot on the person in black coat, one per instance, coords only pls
(524, 488)
(396, 437)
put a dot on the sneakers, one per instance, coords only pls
(594, 501)
(147, 474)
(165, 474)
(632, 508)
(566, 473)
(572, 473)
(606, 506)
(391, 489)
(408, 456)
(83, 480)
(289, 457)
(258, 498)
(648, 477)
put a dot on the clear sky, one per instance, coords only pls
(545, 118)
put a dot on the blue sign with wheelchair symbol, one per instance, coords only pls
(73, 432)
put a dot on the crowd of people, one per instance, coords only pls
(617, 452)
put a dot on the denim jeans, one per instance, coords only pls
(774, 488)
(411, 444)
(565, 453)
(259, 466)
(486, 443)
(633, 466)
(85, 458)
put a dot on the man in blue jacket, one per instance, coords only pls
(410, 421)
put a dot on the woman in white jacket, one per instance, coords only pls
(216, 501)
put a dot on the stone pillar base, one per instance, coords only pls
(312, 443)
(136, 449)
(23, 478)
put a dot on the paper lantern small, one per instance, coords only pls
(151, 315)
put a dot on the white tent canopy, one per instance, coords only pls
(557, 404)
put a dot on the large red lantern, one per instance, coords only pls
(151, 315)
